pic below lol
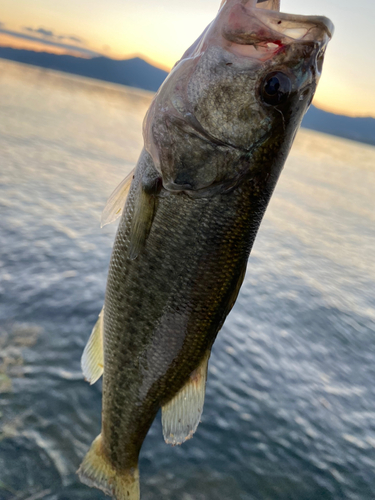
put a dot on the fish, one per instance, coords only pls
(216, 137)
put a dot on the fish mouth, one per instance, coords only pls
(258, 29)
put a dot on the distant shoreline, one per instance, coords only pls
(139, 74)
(88, 79)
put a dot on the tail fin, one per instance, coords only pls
(97, 472)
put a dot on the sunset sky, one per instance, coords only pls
(161, 31)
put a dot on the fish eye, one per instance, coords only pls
(275, 88)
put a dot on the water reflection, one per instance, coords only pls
(290, 407)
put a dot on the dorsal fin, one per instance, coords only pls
(181, 416)
(116, 202)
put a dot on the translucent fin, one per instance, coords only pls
(97, 472)
(116, 201)
(92, 361)
(142, 221)
(181, 416)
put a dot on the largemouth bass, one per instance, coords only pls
(217, 135)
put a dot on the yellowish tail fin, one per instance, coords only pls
(97, 472)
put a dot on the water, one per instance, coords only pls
(290, 406)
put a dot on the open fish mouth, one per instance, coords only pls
(259, 30)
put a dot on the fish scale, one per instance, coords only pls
(192, 274)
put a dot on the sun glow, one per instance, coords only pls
(161, 33)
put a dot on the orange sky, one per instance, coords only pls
(19, 43)
(160, 32)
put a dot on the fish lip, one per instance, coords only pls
(320, 26)
(250, 25)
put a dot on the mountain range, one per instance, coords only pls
(132, 72)
(356, 129)
(138, 73)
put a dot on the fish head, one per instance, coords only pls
(248, 79)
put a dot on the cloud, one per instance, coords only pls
(53, 40)
(50, 34)
(71, 38)
(40, 31)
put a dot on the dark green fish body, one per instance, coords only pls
(164, 310)
(216, 139)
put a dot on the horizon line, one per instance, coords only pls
(155, 65)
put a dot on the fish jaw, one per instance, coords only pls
(260, 26)
(213, 101)
(260, 33)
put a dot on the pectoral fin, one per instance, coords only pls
(116, 202)
(181, 416)
(144, 211)
(92, 361)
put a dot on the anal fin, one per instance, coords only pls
(92, 361)
(181, 416)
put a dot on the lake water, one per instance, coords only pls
(290, 405)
